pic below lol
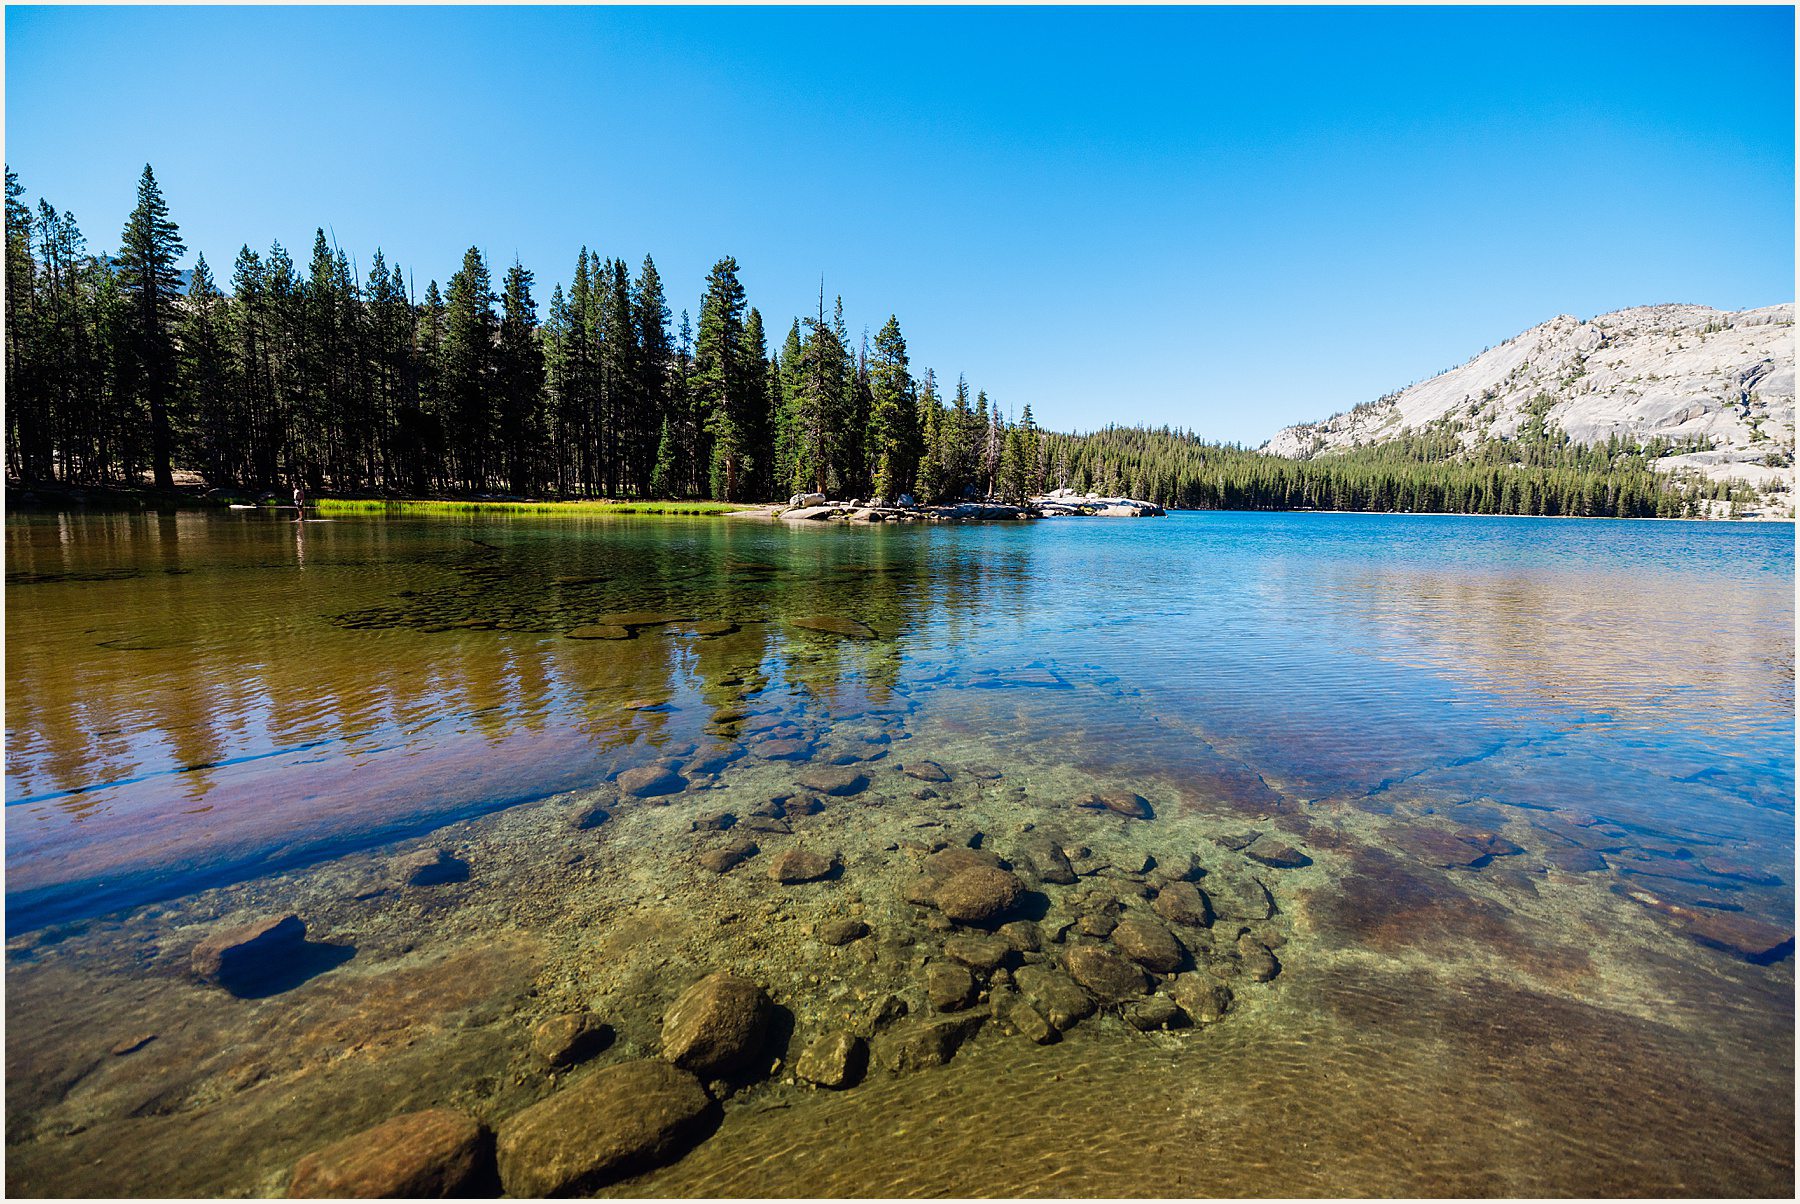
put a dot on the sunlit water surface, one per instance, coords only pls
(200, 706)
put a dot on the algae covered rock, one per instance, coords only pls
(435, 1154)
(717, 1026)
(617, 1121)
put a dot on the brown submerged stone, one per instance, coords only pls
(949, 986)
(835, 1060)
(722, 859)
(1276, 855)
(1120, 802)
(717, 1026)
(1110, 977)
(926, 771)
(794, 866)
(1182, 903)
(614, 1122)
(837, 781)
(978, 895)
(648, 781)
(564, 1040)
(435, 1154)
(247, 948)
(1148, 944)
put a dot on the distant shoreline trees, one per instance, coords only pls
(354, 386)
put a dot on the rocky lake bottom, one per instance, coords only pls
(858, 932)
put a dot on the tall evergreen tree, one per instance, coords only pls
(520, 381)
(893, 415)
(149, 249)
(719, 385)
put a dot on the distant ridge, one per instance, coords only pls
(1676, 371)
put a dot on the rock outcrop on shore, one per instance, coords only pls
(1060, 503)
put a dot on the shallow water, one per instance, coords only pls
(216, 717)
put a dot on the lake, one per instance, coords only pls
(1491, 820)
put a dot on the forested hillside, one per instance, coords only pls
(117, 366)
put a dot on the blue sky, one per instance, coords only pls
(1218, 218)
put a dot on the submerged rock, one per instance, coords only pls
(1182, 903)
(1120, 802)
(835, 1060)
(648, 781)
(949, 986)
(429, 867)
(1237, 897)
(435, 1154)
(1110, 977)
(926, 771)
(728, 856)
(590, 816)
(1276, 855)
(617, 1121)
(565, 1040)
(598, 631)
(1204, 999)
(1154, 1013)
(921, 1046)
(247, 950)
(1024, 936)
(801, 865)
(1056, 997)
(979, 952)
(1148, 944)
(1049, 862)
(1257, 960)
(978, 895)
(717, 1026)
(837, 781)
(1028, 1022)
(842, 932)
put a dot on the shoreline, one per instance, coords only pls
(114, 499)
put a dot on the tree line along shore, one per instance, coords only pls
(118, 370)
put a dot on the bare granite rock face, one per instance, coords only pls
(1677, 371)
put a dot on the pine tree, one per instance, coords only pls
(720, 389)
(204, 378)
(469, 367)
(893, 416)
(149, 249)
(650, 321)
(520, 381)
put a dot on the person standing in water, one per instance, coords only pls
(299, 501)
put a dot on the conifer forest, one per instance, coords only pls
(283, 372)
